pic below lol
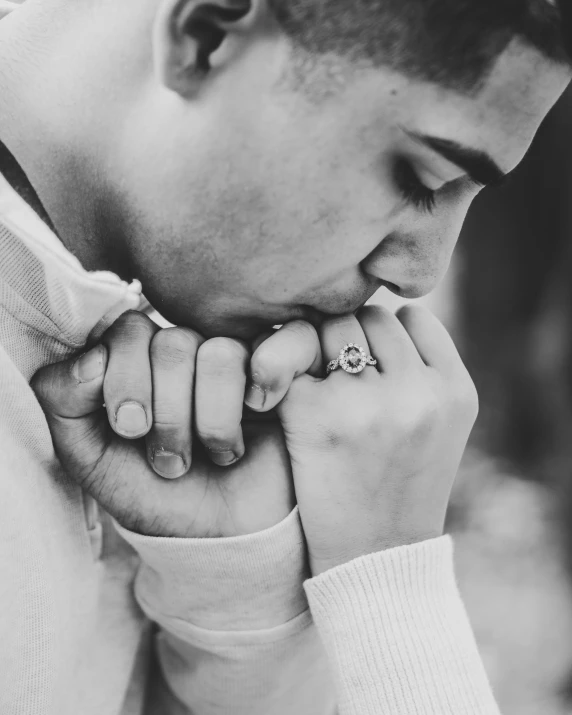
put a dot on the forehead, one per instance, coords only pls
(501, 118)
(505, 114)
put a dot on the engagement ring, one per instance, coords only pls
(352, 359)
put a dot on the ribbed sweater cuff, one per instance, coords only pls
(228, 584)
(398, 636)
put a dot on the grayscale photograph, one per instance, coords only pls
(285, 357)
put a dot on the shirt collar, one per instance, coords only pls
(76, 305)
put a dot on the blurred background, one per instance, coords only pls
(508, 303)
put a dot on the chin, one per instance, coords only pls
(240, 328)
(212, 324)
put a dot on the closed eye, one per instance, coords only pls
(412, 188)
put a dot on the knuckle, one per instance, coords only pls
(123, 381)
(175, 346)
(301, 329)
(167, 419)
(132, 324)
(261, 339)
(135, 319)
(216, 437)
(414, 317)
(266, 366)
(414, 310)
(220, 354)
(377, 313)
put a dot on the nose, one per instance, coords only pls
(415, 257)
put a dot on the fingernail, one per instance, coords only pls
(89, 367)
(168, 464)
(131, 419)
(224, 459)
(255, 397)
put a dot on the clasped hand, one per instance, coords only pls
(153, 424)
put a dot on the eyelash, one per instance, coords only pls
(412, 189)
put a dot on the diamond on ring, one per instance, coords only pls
(352, 359)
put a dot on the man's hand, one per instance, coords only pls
(160, 387)
(375, 454)
(170, 385)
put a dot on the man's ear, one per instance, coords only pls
(188, 32)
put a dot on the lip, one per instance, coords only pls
(317, 315)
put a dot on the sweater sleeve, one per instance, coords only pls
(397, 635)
(234, 633)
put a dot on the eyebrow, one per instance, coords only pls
(478, 165)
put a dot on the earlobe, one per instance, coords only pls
(187, 33)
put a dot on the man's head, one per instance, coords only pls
(251, 159)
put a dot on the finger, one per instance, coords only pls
(128, 385)
(74, 388)
(288, 353)
(389, 341)
(341, 332)
(433, 342)
(71, 395)
(219, 397)
(169, 443)
(257, 342)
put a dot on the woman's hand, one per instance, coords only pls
(375, 454)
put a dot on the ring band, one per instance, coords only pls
(352, 359)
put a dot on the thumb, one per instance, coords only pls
(74, 388)
(71, 395)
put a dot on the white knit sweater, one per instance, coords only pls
(96, 620)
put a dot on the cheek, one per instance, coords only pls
(289, 242)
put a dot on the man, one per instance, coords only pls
(252, 163)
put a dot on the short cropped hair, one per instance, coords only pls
(453, 43)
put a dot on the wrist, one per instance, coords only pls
(239, 583)
(323, 560)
